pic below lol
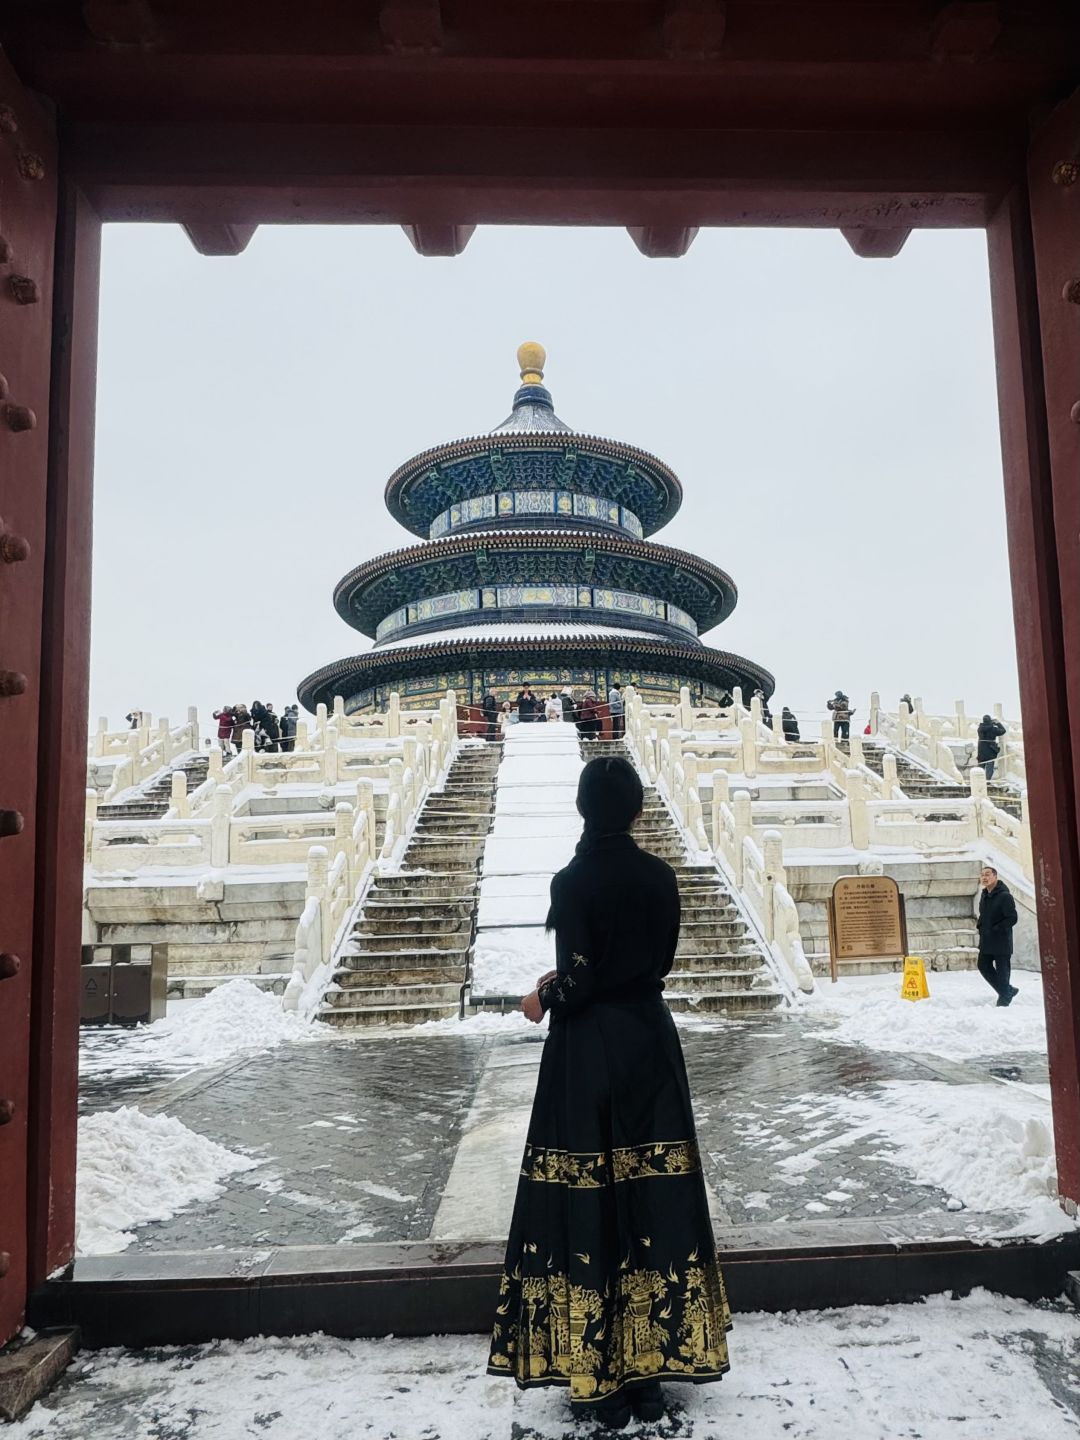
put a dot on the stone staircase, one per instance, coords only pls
(920, 784)
(407, 958)
(720, 967)
(154, 797)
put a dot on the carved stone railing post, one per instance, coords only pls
(101, 741)
(748, 737)
(721, 795)
(888, 775)
(875, 712)
(772, 849)
(343, 837)
(393, 716)
(178, 797)
(856, 750)
(300, 740)
(220, 825)
(686, 710)
(365, 802)
(857, 812)
(247, 751)
(215, 764)
(320, 723)
(330, 753)
(744, 826)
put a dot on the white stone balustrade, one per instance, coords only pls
(142, 752)
(203, 828)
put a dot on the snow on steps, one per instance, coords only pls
(406, 959)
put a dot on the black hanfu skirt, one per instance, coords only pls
(611, 1274)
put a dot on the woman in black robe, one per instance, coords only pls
(611, 1281)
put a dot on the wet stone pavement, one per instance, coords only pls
(357, 1137)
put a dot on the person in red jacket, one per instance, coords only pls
(226, 719)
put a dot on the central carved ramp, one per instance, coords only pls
(406, 959)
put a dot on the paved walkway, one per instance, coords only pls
(411, 1136)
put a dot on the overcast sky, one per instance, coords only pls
(833, 421)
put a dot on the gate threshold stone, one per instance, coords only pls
(430, 1288)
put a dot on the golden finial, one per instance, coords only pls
(531, 358)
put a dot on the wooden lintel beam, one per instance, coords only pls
(220, 238)
(663, 242)
(439, 240)
(459, 175)
(875, 244)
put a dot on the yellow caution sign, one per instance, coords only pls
(914, 986)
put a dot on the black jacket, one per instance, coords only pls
(989, 731)
(997, 916)
(615, 913)
(791, 726)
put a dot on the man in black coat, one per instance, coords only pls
(989, 749)
(997, 916)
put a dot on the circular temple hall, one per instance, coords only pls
(535, 568)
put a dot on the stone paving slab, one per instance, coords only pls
(411, 1136)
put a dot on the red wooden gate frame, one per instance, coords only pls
(656, 171)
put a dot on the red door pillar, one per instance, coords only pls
(1034, 247)
(28, 188)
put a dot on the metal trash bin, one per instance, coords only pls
(123, 984)
(96, 980)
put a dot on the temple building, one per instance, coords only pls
(533, 567)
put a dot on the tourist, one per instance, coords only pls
(566, 699)
(624, 1232)
(907, 700)
(766, 713)
(507, 717)
(271, 730)
(790, 725)
(226, 718)
(990, 730)
(243, 722)
(842, 712)
(289, 718)
(617, 711)
(134, 719)
(489, 711)
(589, 722)
(553, 709)
(526, 704)
(997, 916)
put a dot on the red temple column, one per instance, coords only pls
(1034, 242)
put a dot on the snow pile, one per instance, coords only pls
(989, 1147)
(135, 1168)
(234, 1018)
(987, 1366)
(960, 1021)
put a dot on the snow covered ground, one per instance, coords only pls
(960, 1021)
(534, 833)
(987, 1367)
(134, 1168)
